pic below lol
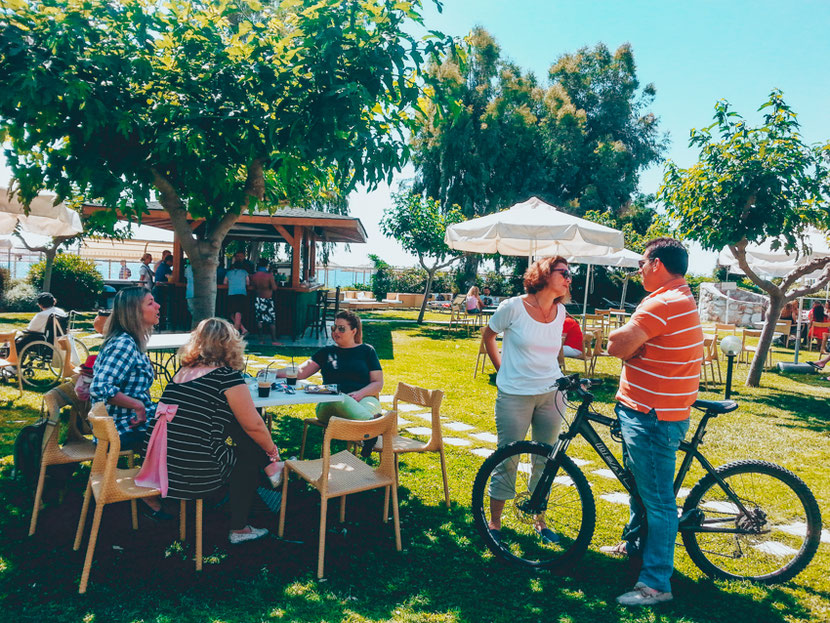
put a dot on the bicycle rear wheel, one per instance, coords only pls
(775, 541)
(570, 511)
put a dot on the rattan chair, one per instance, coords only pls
(77, 448)
(343, 473)
(107, 484)
(400, 445)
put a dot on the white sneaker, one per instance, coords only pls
(642, 595)
(250, 534)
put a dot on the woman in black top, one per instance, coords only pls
(216, 436)
(350, 364)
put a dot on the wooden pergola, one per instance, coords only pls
(300, 229)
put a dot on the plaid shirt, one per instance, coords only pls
(122, 367)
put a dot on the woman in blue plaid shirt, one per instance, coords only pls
(123, 372)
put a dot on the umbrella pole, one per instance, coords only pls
(798, 331)
(585, 298)
(625, 287)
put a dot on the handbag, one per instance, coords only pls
(153, 472)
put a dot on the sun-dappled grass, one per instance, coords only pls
(444, 573)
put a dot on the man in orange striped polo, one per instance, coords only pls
(661, 348)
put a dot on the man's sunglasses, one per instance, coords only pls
(566, 274)
(340, 327)
(646, 261)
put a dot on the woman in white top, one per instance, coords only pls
(527, 370)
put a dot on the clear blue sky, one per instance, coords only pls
(693, 52)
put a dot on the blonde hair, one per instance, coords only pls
(127, 317)
(473, 291)
(214, 342)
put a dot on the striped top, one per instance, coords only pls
(199, 455)
(665, 374)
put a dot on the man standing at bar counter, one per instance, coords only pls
(661, 348)
(264, 285)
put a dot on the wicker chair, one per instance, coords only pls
(400, 445)
(8, 366)
(77, 448)
(107, 483)
(343, 473)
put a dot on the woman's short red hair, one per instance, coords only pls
(538, 274)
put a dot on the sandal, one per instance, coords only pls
(815, 365)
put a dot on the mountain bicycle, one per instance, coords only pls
(747, 520)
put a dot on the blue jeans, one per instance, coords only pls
(649, 451)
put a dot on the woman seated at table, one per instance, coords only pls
(123, 373)
(572, 343)
(817, 315)
(352, 365)
(210, 402)
(473, 303)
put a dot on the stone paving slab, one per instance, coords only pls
(605, 473)
(616, 498)
(482, 452)
(489, 437)
(420, 430)
(457, 441)
(407, 408)
(458, 426)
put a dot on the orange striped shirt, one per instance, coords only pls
(665, 374)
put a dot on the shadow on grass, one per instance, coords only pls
(443, 573)
(804, 411)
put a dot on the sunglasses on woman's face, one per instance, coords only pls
(341, 327)
(566, 274)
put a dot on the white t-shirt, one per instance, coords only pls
(529, 364)
(38, 322)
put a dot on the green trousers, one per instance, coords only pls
(349, 409)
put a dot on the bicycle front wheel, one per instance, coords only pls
(772, 542)
(569, 512)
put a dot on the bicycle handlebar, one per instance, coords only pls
(573, 382)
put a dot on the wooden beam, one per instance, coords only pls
(295, 258)
(282, 231)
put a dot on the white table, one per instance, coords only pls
(281, 399)
(159, 343)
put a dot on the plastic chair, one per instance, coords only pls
(400, 445)
(77, 448)
(107, 484)
(343, 473)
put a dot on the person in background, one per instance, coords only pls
(817, 315)
(264, 285)
(572, 342)
(239, 258)
(211, 403)
(237, 281)
(661, 348)
(145, 273)
(354, 367)
(36, 328)
(164, 255)
(527, 369)
(123, 373)
(188, 289)
(473, 303)
(486, 297)
(124, 272)
(161, 289)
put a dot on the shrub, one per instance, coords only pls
(5, 278)
(20, 297)
(76, 283)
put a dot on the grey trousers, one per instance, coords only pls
(515, 414)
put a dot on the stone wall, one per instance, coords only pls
(725, 302)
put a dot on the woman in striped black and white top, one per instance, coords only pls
(215, 436)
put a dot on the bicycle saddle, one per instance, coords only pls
(716, 406)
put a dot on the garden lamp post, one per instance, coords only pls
(731, 347)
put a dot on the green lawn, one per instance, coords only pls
(444, 572)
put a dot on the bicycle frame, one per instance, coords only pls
(581, 425)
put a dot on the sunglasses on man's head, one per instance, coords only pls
(341, 327)
(566, 274)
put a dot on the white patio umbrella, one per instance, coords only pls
(533, 229)
(620, 259)
(778, 263)
(44, 217)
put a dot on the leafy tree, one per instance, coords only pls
(419, 225)
(579, 142)
(382, 277)
(752, 184)
(215, 107)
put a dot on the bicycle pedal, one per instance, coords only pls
(691, 519)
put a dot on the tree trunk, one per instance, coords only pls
(430, 277)
(776, 304)
(204, 283)
(49, 255)
(471, 263)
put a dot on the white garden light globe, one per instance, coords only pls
(731, 345)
